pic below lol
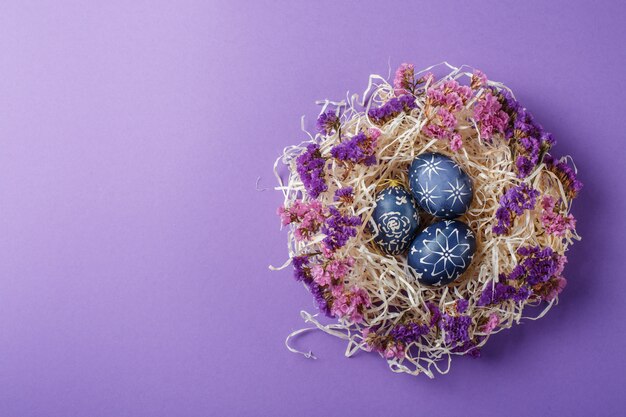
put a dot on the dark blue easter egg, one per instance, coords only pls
(442, 252)
(396, 220)
(440, 186)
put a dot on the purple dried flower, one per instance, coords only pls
(456, 328)
(344, 194)
(320, 298)
(359, 149)
(338, 229)
(500, 292)
(536, 267)
(565, 173)
(327, 122)
(409, 332)
(435, 313)
(537, 264)
(310, 167)
(461, 305)
(528, 139)
(513, 203)
(392, 108)
(301, 270)
(469, 348)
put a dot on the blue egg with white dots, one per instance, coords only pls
(395, 220)
(442, 252)
(440, 186)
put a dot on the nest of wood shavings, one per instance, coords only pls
(395, 296)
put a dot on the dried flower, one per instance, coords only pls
(302, 272)
(359, 149)
(492, 323)
(461, 305)
(404, 80)
(537, 264)
(500, 292)
(394, 351)
(528, 139)
(550, 289)
(350, 304)
(553, 221)
(565, 174)
(479, 79)
(513, 203)
(327, 122)
(409, 332)
(345, 195)
(443, 102)
(435, 313)
(308, 217)
(310, 167)
(333, 272)
(339, 229)
(491, 119)
(456, 143)
(391, 109)
(456, 328)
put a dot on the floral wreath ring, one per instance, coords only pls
(520, 215)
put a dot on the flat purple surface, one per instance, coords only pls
(134, 247)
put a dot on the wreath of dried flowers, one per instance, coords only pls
(520, 215)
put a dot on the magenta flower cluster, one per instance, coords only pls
(323, 273)
(553, 221)
(326, 282)
(405, 82)
(490, 117)
(308, 218)
(443, 103)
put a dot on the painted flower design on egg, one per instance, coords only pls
(395, 224)
(442, 252)
(446, 253)
(395, 220)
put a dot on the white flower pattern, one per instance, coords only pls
(442, 251)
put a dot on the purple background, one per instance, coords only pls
(134, 247)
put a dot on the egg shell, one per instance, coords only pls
(442, 252)
(396, 220)
(440, 186)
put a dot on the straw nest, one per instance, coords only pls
(396, 296)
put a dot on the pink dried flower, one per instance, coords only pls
(333, 272)
(492, 323)
(456, 143)
(447, 119)
(374, 134)
(478, 80)
(428, 77)
(490, 116)
(553, 222)
(444, 101)
(403, 81)
(350, 304)
(394, 350)
(309, 217)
